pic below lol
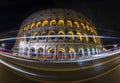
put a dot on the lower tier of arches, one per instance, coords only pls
(58, 51)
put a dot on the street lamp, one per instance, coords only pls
(3, 45)
(115, 45)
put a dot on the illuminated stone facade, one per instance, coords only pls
(57, 34)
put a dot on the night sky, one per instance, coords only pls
(105, 14)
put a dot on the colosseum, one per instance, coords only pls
(58, 33)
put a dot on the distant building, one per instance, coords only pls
(57, 34)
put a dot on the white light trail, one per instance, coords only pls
(97, 56)
(56, 36)
(17, 58)
(17, 69)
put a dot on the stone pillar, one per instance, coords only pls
(67, 53)
(36, 52)
(28, 54)
(76, 53)
(55, 52)
(44, 52)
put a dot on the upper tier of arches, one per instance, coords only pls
(58, 23)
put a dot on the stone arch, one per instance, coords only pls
(32, 25)
(86, 37)
(71, 53)
(51, 33)
(87, 27)
(26, 51)
(94, 39)
(70, 35)
(61, 33)
(81, 52)
(76, 24)
(83, 25)
(61, 23)
(28, 37)
(32, 52)
(69, 23)
(40, 52)
(91, 29)
(34, 36)
(93, 51)
(88, 52)
(27, 27)
(50, 52)
(97, 50)
(61, 53)
(45, 23)
(79, 36)
(43, 33)
(38, 24)
(53, 23)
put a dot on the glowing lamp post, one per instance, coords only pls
(115, 45)
(3, 45)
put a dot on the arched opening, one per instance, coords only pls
(88, 52)
(70, 36)
(45, 23)
(40, 52)
(50, 52)
(38, 24)
(91, 29)
(26, 51)
(61, 23)
(53, 23)
(87, 27)
(32, 25)
(42, 34)
(61, 53)
(94, 39)
(51, 35)
(28, 37)
(93, 51)
(32, 52)
(82, 24)
(90, 38)
(27, 27)
(62, 35)
(76, 24)
(79, 36)
(69, 23)
(81, 52)
(97, 50)
(34, 36)
(71, 53)
(86, 37)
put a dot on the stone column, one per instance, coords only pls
(28, 54)
(55, 52)
(67, 53)
(44, 52)
(36, 50)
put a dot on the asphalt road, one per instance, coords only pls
(110, 76)
(7, 76)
